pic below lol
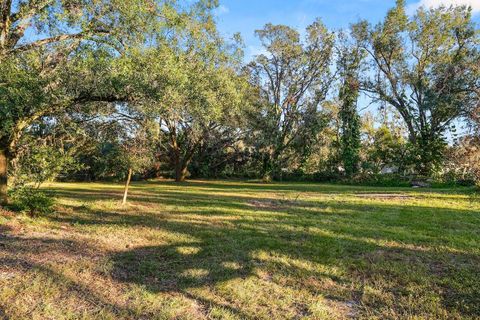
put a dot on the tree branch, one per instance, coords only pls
(55, 39)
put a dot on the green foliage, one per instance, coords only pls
(72, 60)
(114, 144)
(36, 75)
(22, 96)
(349, 65)
(288, 118)
(387, 149)
(192, 89)
(63, 24)
(155, 85)
(350, 141)
(31, 200)
(41, 163)
(425, 66)
(45, 152)
(428, 154)
(224, 154)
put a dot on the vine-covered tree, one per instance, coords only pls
(349, 62)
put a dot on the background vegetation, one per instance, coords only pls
(110, 90)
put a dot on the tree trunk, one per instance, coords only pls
(127, 184)
(267, 175)
(3, 177)
(180, 171)
(181, 164)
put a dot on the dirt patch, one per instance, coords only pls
(387, 196)
(274, 204)
(266, 204)
(342, 309)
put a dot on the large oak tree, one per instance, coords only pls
(191, 88)
(293, 77)
(425, 66)
(40, 38)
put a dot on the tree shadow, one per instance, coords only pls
(180, 267)
(387, 221)
(367, 241)
(219, 255)
(22, 256)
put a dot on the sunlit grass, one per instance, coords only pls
(235, 250)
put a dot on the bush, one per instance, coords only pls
(380, 180)
(31, 200)
(454, 177)
(466, 182)
(326, 176)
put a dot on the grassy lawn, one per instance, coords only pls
(238, 250)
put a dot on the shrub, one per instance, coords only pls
(383, 180)
(466, 182)
(31, 200)
(326, 176)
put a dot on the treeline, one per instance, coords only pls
(95, 90)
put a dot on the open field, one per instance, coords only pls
(238, 250)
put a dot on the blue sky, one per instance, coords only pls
(245, 16)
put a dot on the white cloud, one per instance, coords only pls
(221, 9)
(475, 4)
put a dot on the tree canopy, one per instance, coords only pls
(152, 88)
(426, 66)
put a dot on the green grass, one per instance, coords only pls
(239, 250)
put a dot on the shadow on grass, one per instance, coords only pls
(399, 246)
(169, 269)
(409, 223)
(222, 254)
(296, 186)
(24, 256)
